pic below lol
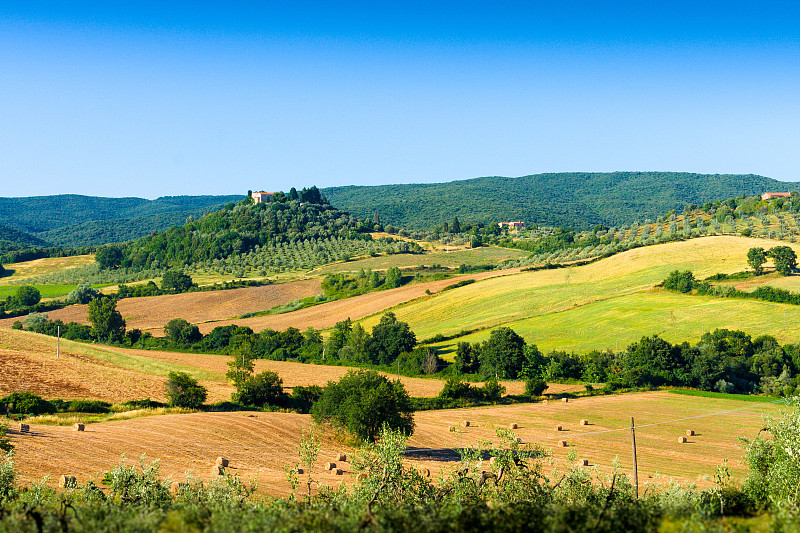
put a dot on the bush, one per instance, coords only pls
(363, 402)
(87, 406)
(680, 281)
(82, 294)
(535, 387)
(182, 390)
(28, 295)
(180, 331)
(5, 445)
(28, 403)
(303, 397)
(176, 282)
(493, 391)
(262, 389)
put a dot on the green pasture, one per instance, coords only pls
(47, 291)
(605, 303)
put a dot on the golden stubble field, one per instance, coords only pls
(259, 445)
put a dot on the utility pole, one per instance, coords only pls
(58, 342)
(635, 465)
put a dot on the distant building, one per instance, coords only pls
(261, 196)
(771, 195)
(516, 225)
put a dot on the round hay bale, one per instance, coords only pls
(545, 401)
(425, 472)
(78, 427)
(24, 428)
(217, 470)
(67, 482)
(565, 400)
(519, 440)
(361, 477)
(585, 462)
(342, 457)
(690, 433)
(584, 422)
(513, 425)
(558, 428)
(221, 461)
(175, 487)
(465, 423)
(681, 439)
(330, 466)
(452, 428)
(562, 443)
(339, 471)
(300, 471)
(492, 460)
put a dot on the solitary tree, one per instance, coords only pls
(262, 389)
(182, 390)
(28, 295)
(107, 322)
(502, 355)
(756, 257)
(784, 258)
(176, 282)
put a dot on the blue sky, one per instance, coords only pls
(152, 99)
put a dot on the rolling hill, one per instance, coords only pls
(574, 199)
(75, 220)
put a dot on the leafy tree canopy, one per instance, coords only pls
(182, 390)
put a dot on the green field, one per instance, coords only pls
(607, 303)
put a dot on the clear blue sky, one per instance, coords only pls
(139, 99)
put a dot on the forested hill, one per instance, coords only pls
(13, 239)
(572, 199)
(75, 220)
(243, 228)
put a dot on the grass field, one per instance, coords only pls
(40, 267)
(593, 306)
(260, 444)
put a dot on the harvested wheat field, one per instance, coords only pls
(324, 316)
(258, 445)
(92, 371)
(607, 434)
(151, 313)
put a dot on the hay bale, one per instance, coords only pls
(221, 461)
(361, 477)
(425, 472)
(78, 427)
(558, 428)
(681, 439)
(585, 462)
(545, 401)
(690, 433)
(24, 428)
(513, 425)
(67, 482)
(217, 470)
(519, 440)
(584, 422)
(342, 457)
(299, 470)
(565, 400)
(330, 466)
(562, 443)
(175, 487)
(339, 471)
(465, 423)
(452, 428)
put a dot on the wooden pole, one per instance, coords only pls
(635, 465)
(58, 342)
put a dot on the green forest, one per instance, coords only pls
(575, 199)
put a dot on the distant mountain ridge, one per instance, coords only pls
(576, 199)
(76, 220)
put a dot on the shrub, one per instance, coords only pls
(5, 446)
(455, 389)
(262, 389)
(28, 295)
(82, 294)
(176, 281)
(303, 397)
(362, 402)
(492, 390)
(680, 281)
(34, 321)
(182, 390)
(535, 387)
(180, 331)
(28, 403)
(87, 406)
